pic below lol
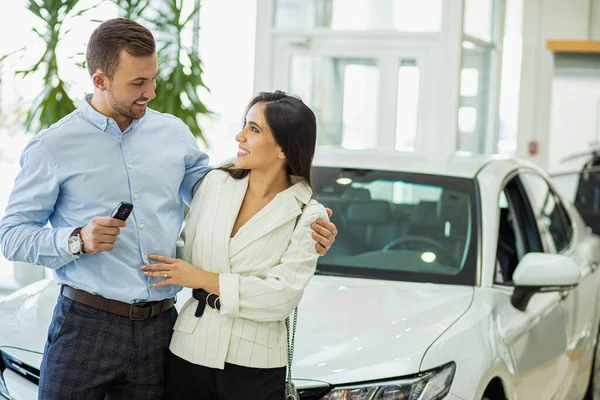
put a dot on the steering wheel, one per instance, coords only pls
(438, 247)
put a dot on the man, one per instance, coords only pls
(111, 327)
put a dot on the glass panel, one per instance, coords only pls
(467, 119)
(407, 106)
(547, 207)
(479, 18)
(512, 50)
(344, 96)
(478, 86)
(469, 82)
(468, 139)
(394, 225)
(401, 15)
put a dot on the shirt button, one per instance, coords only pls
(142, 226)
(130, 166)
(145, 256)
(111, 121)
(102, 126)
(135, 196)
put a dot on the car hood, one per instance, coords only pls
(349, 329)
(355, 330)
(25, 317)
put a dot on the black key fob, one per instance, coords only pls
(122, 211)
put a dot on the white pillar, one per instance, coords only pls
(543, 20)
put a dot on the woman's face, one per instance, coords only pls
(258, 148)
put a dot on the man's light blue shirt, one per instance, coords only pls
(82, 167)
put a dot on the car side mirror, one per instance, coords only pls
(541, 272)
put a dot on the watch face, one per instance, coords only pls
(74, 245)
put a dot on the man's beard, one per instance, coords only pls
(126, 110)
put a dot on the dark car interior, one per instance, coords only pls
(383, 228)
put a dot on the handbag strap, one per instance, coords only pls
(292, 336)
(291, 343)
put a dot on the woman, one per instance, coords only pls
(251, 253)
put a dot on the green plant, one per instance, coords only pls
(132, 9)
(180, 75)
(53, 102)
(180, 68)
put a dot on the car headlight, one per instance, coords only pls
(430, 385)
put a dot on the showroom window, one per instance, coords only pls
(363, 15)
(371, 72)
(407, 105)
(343, 94)
(490, 76)
(480, 75)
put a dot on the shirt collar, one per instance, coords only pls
(99, 120)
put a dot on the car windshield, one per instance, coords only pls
(399, 226)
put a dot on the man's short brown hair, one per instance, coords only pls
(110, 38)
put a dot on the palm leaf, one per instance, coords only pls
(180, 76)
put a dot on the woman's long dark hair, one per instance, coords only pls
(294, 127)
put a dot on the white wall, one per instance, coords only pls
(544, 20)
(575, 109)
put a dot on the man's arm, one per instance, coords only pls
(23, 232)
(196, 167)
(324, 233)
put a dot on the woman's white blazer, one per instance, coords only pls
(263, 271)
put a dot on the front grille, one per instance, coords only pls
(315, 393)
(28, 372)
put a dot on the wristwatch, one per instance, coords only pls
(75, 242)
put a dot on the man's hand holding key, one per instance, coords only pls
(100, 234)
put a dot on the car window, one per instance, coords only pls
(517, 231)
(399, 226)
(554, 221)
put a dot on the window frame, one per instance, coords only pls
(467, 276)
(514, 194)
(565, 218)
(388, 58)
(487, 101)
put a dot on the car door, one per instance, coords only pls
(537, 337)
(558, 232)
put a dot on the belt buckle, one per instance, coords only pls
(208, 297)
(131, 317)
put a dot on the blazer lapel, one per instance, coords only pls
(232, 193)
(285, 207)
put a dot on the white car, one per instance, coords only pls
(462, 279)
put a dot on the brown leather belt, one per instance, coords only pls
(135, 312)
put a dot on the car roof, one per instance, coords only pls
(460, 164)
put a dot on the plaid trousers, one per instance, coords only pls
(92, 354)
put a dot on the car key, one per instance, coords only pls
(122, 211)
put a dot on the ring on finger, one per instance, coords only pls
(166, 275)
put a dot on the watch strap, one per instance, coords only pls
(76, 233)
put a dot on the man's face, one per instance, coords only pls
(132, 85)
